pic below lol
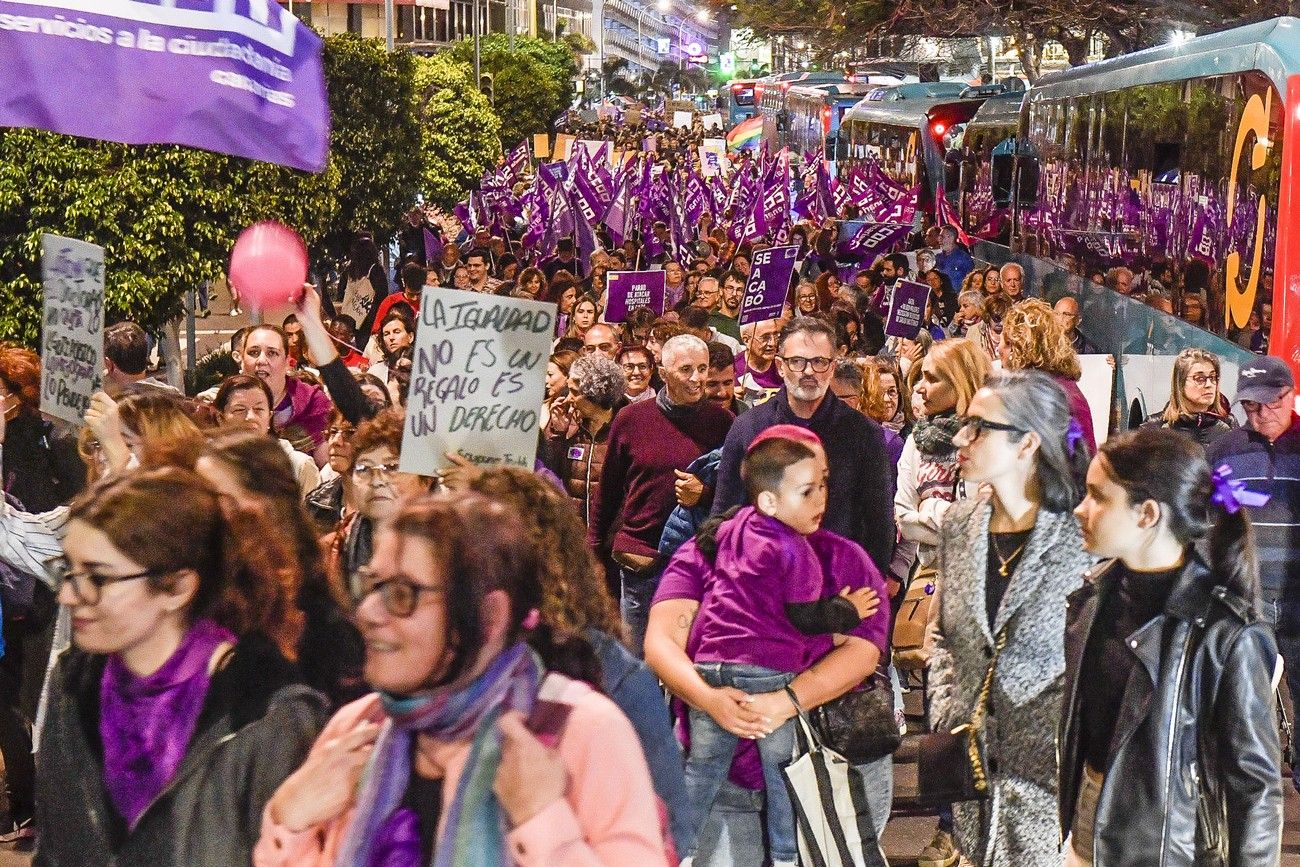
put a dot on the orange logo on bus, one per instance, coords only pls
(1242, 300)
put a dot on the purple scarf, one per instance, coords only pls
(146, 723)
(474, 828)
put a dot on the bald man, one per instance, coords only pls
(1067, 314)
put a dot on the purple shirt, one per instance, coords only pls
(306, 407)
(146, 723)
(761, 565)
(844, 564)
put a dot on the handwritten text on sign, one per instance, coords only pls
(72, 330)
(478, 380)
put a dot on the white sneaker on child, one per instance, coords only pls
(784, 864)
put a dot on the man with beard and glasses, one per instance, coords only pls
(860, 500)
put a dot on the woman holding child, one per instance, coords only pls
(746, 623)
(1008, 562)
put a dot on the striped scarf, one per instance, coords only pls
(474, 829)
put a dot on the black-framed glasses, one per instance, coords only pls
(399, 596)
(980, 425)
(365, 472)
(1204, 379)
(798, 363)
(88, 586)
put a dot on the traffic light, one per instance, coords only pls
(485, 86)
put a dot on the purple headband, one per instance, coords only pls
(1231, 493)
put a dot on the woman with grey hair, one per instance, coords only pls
(574, 441)
(970, 312)
(1008, 561)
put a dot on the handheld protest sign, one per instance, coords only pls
(563, 144)
(478, 380)
(631, 289)
(907, 309)
(541, 145)
(72, 326)
(768, 284)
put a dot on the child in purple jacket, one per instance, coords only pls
(762, 607)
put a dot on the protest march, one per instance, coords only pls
(682, 495)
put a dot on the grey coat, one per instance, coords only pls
(1018, 825)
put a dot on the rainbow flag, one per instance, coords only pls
(745, 134)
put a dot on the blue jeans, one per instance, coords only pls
(713, 748)
(638, 592)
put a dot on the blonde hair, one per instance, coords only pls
(872, 402)
(1035, 340)
(1183, 364)
(963, 365)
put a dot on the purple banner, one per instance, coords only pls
(768, 284)
(245, 79)
(907, 309)
(629, 290)
(874, 239)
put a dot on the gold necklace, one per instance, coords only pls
(1004, 563)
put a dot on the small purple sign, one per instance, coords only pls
(907, 309)
(768, 284)
(629, 290)
(236, 77)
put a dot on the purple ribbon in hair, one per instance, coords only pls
(1073, 436)
(1231, 493)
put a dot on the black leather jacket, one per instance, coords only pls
(255, 729)
(1195, 775)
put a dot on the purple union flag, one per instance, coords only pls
(240, 77)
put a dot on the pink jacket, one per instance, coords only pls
(608, 816)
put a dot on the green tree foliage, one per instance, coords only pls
(460, 134)
(533, 84)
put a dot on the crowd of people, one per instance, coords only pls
(238, 632)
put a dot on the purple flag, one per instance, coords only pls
(616, 216)
(768, 284)
(243, 79)
(631, 289)
(518, 160)
(432, 246)
(907, 309)
(873, 239)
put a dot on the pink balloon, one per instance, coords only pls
(268, 266)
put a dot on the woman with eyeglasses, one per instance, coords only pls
(1008, 562)
(1168, 737)
(575, 441)
(245, 402)
(1195, 407)
(476, 747)
(378, 488)
(176, 714)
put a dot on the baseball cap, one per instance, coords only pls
(786, 432)
(1263, 379)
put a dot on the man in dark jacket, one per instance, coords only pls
(860, 499)
(1265, 454)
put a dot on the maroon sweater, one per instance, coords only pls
(637, 484)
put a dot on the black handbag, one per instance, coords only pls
(949, 767)
(860, 725)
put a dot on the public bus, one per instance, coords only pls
(978, 166)
(1180, 161)
(740, 101)
(814, 114)
(908, 130)
(770, 93)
